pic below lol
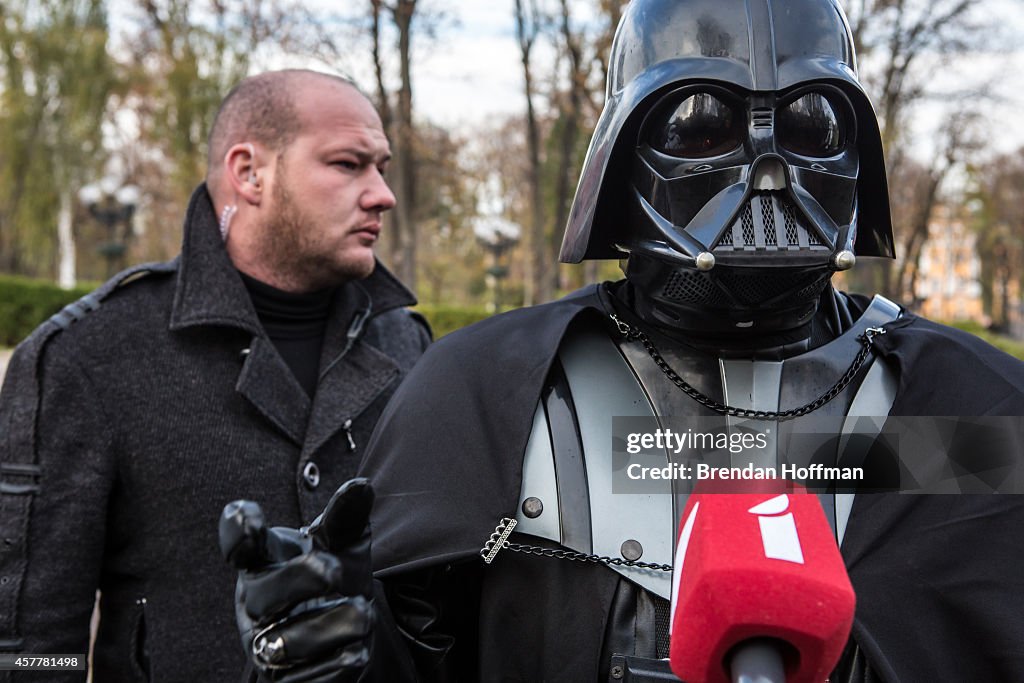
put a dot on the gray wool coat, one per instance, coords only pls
(130, 418)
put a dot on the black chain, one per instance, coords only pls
(633, 333)
(499, 541)
(563, 554)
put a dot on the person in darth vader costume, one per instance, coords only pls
(736, 167)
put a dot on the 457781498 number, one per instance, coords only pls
(29, 662)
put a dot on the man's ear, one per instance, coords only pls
(241, 168)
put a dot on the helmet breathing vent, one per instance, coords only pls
(761, 118)
(748, 226)
(726, 239)
(787, 212)
(768, 222)
(755, 289)
(768, 218)
(689, 287)
(813, 290)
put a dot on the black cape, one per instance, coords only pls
(939, 578)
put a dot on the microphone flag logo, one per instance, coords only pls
(737, 582)
(778, 530)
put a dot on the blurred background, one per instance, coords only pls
(105, 105)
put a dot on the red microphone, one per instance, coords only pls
(760, 589)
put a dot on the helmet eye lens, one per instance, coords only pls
(698, 127)
(810, 126)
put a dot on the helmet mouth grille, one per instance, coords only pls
(747, 289)
(692, 288)
(768, 297)
(769, 222)
(756, 289)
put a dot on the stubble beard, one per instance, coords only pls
(300, 260)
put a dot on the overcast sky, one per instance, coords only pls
(470, 71)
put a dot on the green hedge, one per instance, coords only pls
(445, 319)
(25, 303)
(1007, 344)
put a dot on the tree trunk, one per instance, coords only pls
(536, 286)
(65, 241)
(918, 235)
(11, 257)
(391, 242)
(1001, 323)
(405, 148)
(570, 136)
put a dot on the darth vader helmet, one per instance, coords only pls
(737, 161)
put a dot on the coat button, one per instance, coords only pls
(311, 475)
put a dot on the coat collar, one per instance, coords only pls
(209, 291)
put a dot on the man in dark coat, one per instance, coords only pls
(737, 165)
(254, 364)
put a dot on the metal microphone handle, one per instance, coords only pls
(757, 661)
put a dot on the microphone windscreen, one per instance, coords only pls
(759, 564)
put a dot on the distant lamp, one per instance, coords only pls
(497, 235)
(112, 204)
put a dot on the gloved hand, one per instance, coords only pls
(303, 601)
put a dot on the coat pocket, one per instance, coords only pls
(138, 655)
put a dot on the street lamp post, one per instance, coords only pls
(497, 235)
(112, 205)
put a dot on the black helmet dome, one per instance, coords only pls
(763, 55)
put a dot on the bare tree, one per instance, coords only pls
(578, 97)
(999, 225)
(55, 82)
(383, 98)
(958, 142)
(901, 44)
(396, 112)
(444, 210)
(402, 12)
(610, 12)
(537, 287)
(900, 36)
(569, 114)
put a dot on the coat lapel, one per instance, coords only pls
(209, 292)
(348, 387)
(352, 372)
(268, 384)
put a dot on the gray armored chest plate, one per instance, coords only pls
(567, 493)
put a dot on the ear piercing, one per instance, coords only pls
(225, 220)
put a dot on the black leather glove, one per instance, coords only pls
(304, 597)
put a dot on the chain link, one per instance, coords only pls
(564, 554)
(499, 541)
(633, 333)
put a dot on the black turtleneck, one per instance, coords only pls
(295, 323)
